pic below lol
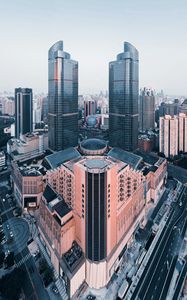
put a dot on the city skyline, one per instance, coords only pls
(93, 33)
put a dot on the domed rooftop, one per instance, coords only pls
(93, 146)
(91, 120)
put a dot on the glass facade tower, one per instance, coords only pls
(123, 99)
(62, 98)
(23, 111)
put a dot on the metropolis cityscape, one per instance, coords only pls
(93, 182)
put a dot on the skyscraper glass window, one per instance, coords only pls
(62, 98)
(123, 99)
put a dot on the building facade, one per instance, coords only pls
(123, 99)
(62, 98)
(173, 135)
(23, 111)
(107, 191)
(147, 109)
(28, 146)
(28, 183)
(90, 108)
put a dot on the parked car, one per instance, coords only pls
(54, 289)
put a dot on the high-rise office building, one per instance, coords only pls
(147, 109)
(173, 135)
(123, 99)
(23, 111)
(62, 98)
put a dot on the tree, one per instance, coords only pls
(42, 265)
(9, 260)
(2, 257)
(48, 276)
(11, 284)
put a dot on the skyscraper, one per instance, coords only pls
(123, 99)
(62, 98)
(90, 108)
(147, 109)
(23, 111)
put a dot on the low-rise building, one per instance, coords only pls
(29, 145)
(28, 177)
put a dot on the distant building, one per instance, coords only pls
(147, 109)
(173, 135)
(145, 143)
(90, 108)
(62, 98)
(123, 99)
(23, 111)
(171, 109)
(183, 107)
(28, 146)
(148, 141)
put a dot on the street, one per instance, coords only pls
(156, 277)
(33, 288)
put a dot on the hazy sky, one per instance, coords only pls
(93, 32)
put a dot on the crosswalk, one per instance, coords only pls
(23, 260)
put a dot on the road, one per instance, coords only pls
(180, 281)
(155, 280)
(33, 288)
(177, 172)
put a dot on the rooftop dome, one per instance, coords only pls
(91, 121)
(93, 147)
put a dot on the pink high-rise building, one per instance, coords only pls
(173, 135)
(92, 204)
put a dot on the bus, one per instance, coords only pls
(123, 289)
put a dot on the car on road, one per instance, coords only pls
(4, 200)
(8, 226)
(91, 297)
(11, 234)
(7, 253)
(3, 241)
(54, 289)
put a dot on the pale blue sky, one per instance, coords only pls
(93, 33)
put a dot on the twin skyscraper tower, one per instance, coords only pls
(63, 99)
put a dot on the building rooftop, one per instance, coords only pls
(62, 208)
(93, 147)
(128, 157)
(73, 256)
(54, 160)
(96, 163)
(93, 144)
(148, 158)
(49, 194)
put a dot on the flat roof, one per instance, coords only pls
(62, 208)
(96, 163)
